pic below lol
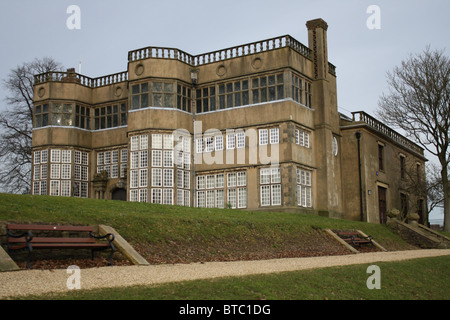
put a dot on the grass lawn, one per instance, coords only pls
(173, 234)
(418, 279)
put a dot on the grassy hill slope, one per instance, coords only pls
(173, 234)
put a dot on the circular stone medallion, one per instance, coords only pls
(139, 70)
(257, 63)
(221, 70)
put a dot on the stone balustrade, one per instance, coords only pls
(361, 116)
(220, 55)
(69, 76)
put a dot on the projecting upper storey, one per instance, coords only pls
(255, 57)
(168, 63)
(270, 70)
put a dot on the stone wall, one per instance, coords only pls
(419, 236)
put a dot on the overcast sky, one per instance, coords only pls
(109, 29)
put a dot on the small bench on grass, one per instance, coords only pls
(26, 240)
(355, 238)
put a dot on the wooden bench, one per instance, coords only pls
(355, 238)
(26, 240)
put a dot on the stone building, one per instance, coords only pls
(253, 127)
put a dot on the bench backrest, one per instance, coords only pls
(38, 227)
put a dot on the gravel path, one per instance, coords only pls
(27, 282)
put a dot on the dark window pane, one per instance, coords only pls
(229, 101)
(256, 96)
(237, 99)
(38, 122)
(229, 87)
(222, 102)
(245, 98)
(245, 85)
(280, 78)
(264, 95)
(144, 100)
(280, 92)
(222, 89)
(272, 94)
(263, 81)
(135, 89)
(271, 80)
(212, 103)
(188, 105)
(199, 106)
(144, 87)
(134, 103)
(255, 83)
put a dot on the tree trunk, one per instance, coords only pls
(446, 188)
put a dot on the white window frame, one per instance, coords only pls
(263, 137)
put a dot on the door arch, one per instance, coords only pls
(119, 194)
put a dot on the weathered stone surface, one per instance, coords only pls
(123, 246)
(6, 263)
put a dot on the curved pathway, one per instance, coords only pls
(36, 282)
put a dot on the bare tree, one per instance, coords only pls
(429, 187)
(419, 104)
(435, 192)
(16, 124)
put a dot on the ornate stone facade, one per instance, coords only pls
(254, 127)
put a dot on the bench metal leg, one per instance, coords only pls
(111, 263)
(30, 250)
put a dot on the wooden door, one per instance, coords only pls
(382, 204)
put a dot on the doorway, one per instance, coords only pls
(382, 204)
(119, 194)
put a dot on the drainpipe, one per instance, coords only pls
(358, 138)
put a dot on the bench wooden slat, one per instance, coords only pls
(63, 246)
(37, 227)
(52, 240)
(70, 245)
